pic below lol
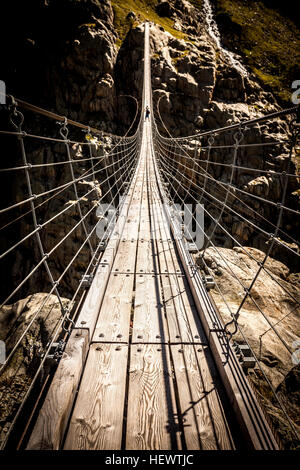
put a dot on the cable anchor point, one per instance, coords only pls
(16, 117)
(64, 131)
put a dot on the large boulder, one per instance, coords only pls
(44, 312)
(233, 268)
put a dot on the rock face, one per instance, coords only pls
(272, 304)
(285, 425)
(185, 78)
(85, 72)
(234, 269)
(14, 319)
(289, 392)
(90, 58)
(28, 254)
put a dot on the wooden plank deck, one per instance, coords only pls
(113, 323)
(143, 355)
(97, 420)
(49, 429)
(171, 398)
(204, 421)
(152, 420)
(182, 317)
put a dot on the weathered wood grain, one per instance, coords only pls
(204, 421)
(149, 324)
(97, 420)
(152, 414)
(182, 317)
(49, 429)
(114, 318)
(90, 309)
(146, 261)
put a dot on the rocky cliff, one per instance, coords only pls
(266, 33)
(77, 57)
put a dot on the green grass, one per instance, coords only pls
(269, 41)
(144, 10)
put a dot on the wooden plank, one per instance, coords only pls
(160, 225)
(97, 420)
(146, 255)
(146, 261)
(114, 318)
(90, 309)
(126, 256)
(144, 229)
(164, 250)
(53, 417)
(152, 414)
(182, 317)
(149, 324)
(162, 235)
(204, 422)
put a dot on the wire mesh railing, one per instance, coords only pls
(57, 190)
(245, 179)
(53, 187)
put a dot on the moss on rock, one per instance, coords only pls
(268, 40)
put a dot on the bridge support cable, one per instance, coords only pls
(168, 163)
(64, 133)
(233, 377)
(172, 168)
(120, 149)
(251, 420)
(169, 171)
(228, 208)
(147, 308)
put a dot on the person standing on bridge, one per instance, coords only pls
(147, 113)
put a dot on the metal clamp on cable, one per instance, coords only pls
(86, 280)
(66, 313)
(56, 351)
(88, 135)
(16, 117)
(64, 131)
(231, 333)
(211, 140)
(238, 136)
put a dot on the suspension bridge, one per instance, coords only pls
(144, 360)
